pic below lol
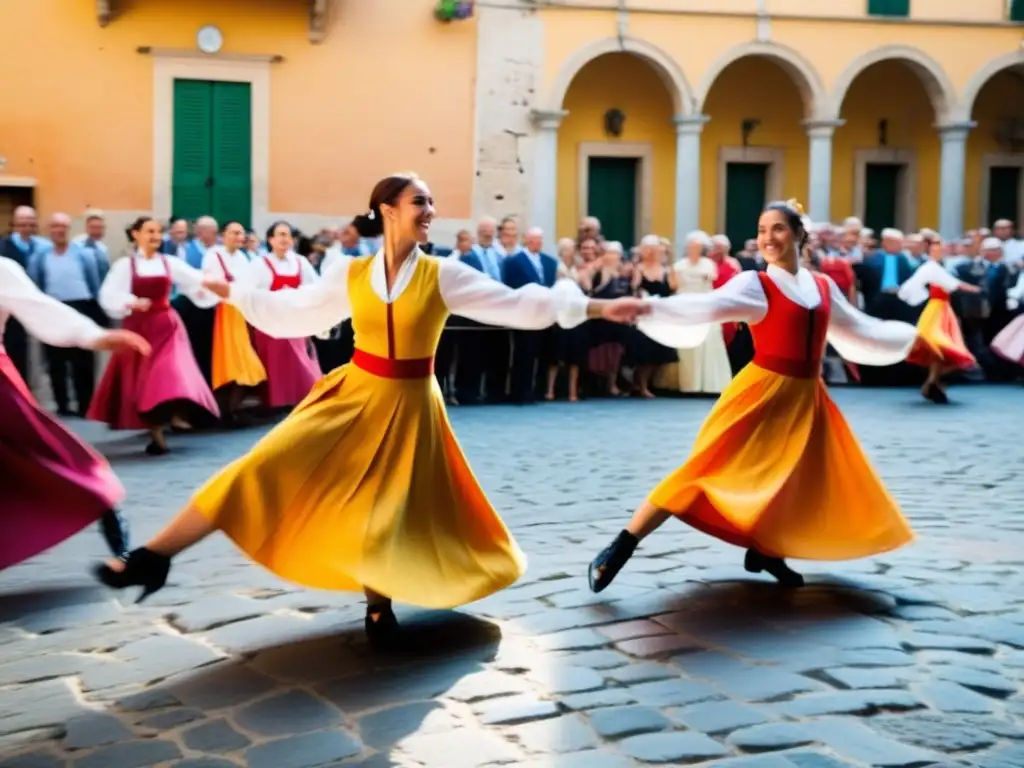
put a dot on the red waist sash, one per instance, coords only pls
(392, 368)
(797, 369)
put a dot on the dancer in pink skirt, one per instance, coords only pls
(167, 387)
(51, 483)
(292, 366)
(1009, 342)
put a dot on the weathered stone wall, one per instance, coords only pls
(509, 69)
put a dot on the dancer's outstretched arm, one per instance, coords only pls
(53, 322)
(470, 293)
(865, 340)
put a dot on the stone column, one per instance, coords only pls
(819, 186)
(544, 185)
(687, 218)
(951, 178)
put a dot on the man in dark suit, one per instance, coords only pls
(20, 246)
(984, 314)
(527, 266)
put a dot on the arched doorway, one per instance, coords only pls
(617, 149)
(754, 148)
(887, 154)
(995, 146)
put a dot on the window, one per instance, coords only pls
(888, 7)
(1016, 10)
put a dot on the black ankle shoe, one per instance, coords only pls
(155, 449)
(755, 562)
(115, 532)
(142, 568)
(382, 628)
(936, 395)
(606, 566)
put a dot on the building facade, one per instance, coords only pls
(655, 115)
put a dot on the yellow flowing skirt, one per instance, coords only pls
(234, 359)
(364, 485)
(775, 468)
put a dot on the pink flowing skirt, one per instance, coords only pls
(292, 368)
(1009, 342)
(52, 485)
(137, 392)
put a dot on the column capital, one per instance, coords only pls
(690, 124)
(822, 129)
(955, 131)
(547, 120)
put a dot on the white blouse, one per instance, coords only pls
(681, 321)
(116, 292)
(258, 274)
(44, 317)
(466, 292)
(915, 290)
(237, 263)
(1015, 295)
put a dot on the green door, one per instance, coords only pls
(746, 186)
(212, 150)
(611, 197)
(881, 196)
(1003, 194)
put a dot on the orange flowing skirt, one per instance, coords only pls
(939, 339)
(234, 359)
(776, 468)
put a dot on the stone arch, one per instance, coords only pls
(981, 78)
(934, 78)
(669, 71)
(803, 73)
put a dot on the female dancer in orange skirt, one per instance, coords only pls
(236, 368)
(167, 387)
(51, 483)
(940, 345)
(775, 469)
(363, 487)
(291, 364)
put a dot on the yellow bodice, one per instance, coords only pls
(407, 328)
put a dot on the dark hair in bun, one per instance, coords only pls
(136, 225)
(794, 215)
(386, 192)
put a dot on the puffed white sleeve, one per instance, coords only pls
(470, 293)
(866, 340)
(49, 320)
(309, 274)
(308, 310)
(682, 321)
(1016, 294)
(190, 282)
(915, 289)
(116, 292)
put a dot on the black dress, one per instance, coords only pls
(644, 350)
(608, 340)
(569, 346)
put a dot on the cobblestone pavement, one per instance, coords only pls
(911, 659)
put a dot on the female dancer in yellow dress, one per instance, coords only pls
(363, 486)
(940, 347)
(236, 368)
(775, 469)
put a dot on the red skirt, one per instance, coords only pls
(292, 368)
(940, 339)
(52, 484)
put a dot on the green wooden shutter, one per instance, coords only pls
(190, 191)
(1017, 10)
(232, 153)
(888, 7)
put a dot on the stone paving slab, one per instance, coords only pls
(915, 658)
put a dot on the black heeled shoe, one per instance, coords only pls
(606, 566)
(936, 395)
(115, 532)
(142, 568)
(755, 562)
(382, 628)
(155, 449)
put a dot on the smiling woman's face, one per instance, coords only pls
(774, 237)
(412, 213)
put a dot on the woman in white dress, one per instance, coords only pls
(704, 368)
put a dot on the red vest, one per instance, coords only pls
(790, 340)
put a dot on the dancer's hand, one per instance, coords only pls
(219, 288)
(625, 310)
(140, 305)
(115, 340)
